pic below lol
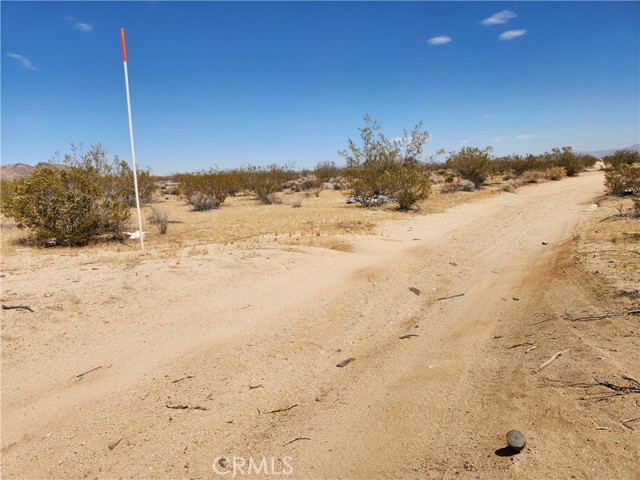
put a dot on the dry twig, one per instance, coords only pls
(548, 362)
(451, 296)
(80, 375)
(115, 444)
(624, 422)
(524, 344)
(17, 307)
(295, 440)
(278, 410)
(186, 407)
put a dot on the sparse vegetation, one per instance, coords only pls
(555, 173)
(266, 181)
(160, 218)
(471, 163)
(65, 206)
(204, 190)
(623, 179)
(381, 167)
(622, 157)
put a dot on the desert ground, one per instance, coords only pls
(224, 342)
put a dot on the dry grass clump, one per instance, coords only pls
(555, 173)
(533, 176)
(160, 218)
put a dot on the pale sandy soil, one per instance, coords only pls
(237, 334)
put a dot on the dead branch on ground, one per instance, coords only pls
(295, 440)
(80, 375)
(552, 359)
(524, 344)
(624, 422)
(278, 410)
(186, 407)
(451, 296)
(618, 390)
(17, 307)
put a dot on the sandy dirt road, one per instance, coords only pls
(157, 368)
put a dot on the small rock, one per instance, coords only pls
(545, 243)
(516, 440)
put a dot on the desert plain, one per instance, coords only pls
(218, 345)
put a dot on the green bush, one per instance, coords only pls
(623, 179)
(204, 190)
(408, 183)
(471, 163)
(390, 168)
(266, 181)
(115, 178)
(65, 206)
(566, 158)
(622, 157)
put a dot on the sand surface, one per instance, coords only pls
(157, 367)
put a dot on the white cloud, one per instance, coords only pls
(528, 135)
(498, 18)
(465, 141)
(83, 27)
(441, 40)
(23, 61)
(487, 116)
(511, 34)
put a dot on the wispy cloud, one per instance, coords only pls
(23, 61)
(499, 18)
(465, 141)
(441, 40)
(529, 135)
(487, 116)
(83, 26)
(511, 34)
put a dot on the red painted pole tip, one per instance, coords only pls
(124, 48)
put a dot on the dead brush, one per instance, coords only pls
(159, 218)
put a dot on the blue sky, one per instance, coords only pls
(227, 84)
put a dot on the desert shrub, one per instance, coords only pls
(471, 164)
(510, 186)
(204, 190)
(65, 206)
(555, 173)
(326, 171)
(461, 185)
(381, 167)
(466, 185)
(565, 157)
(533, 176)
(238, 180)
(367, 164)
(587, 160)
(435, 179)
(7, 187)
(408, 182)
(622, 157)
(266, 181)
(159, 218)
(115, 177)
(623, 179)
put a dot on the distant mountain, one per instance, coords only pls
(12, 171)
(604, 153)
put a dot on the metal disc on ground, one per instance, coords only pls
(516, 440)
